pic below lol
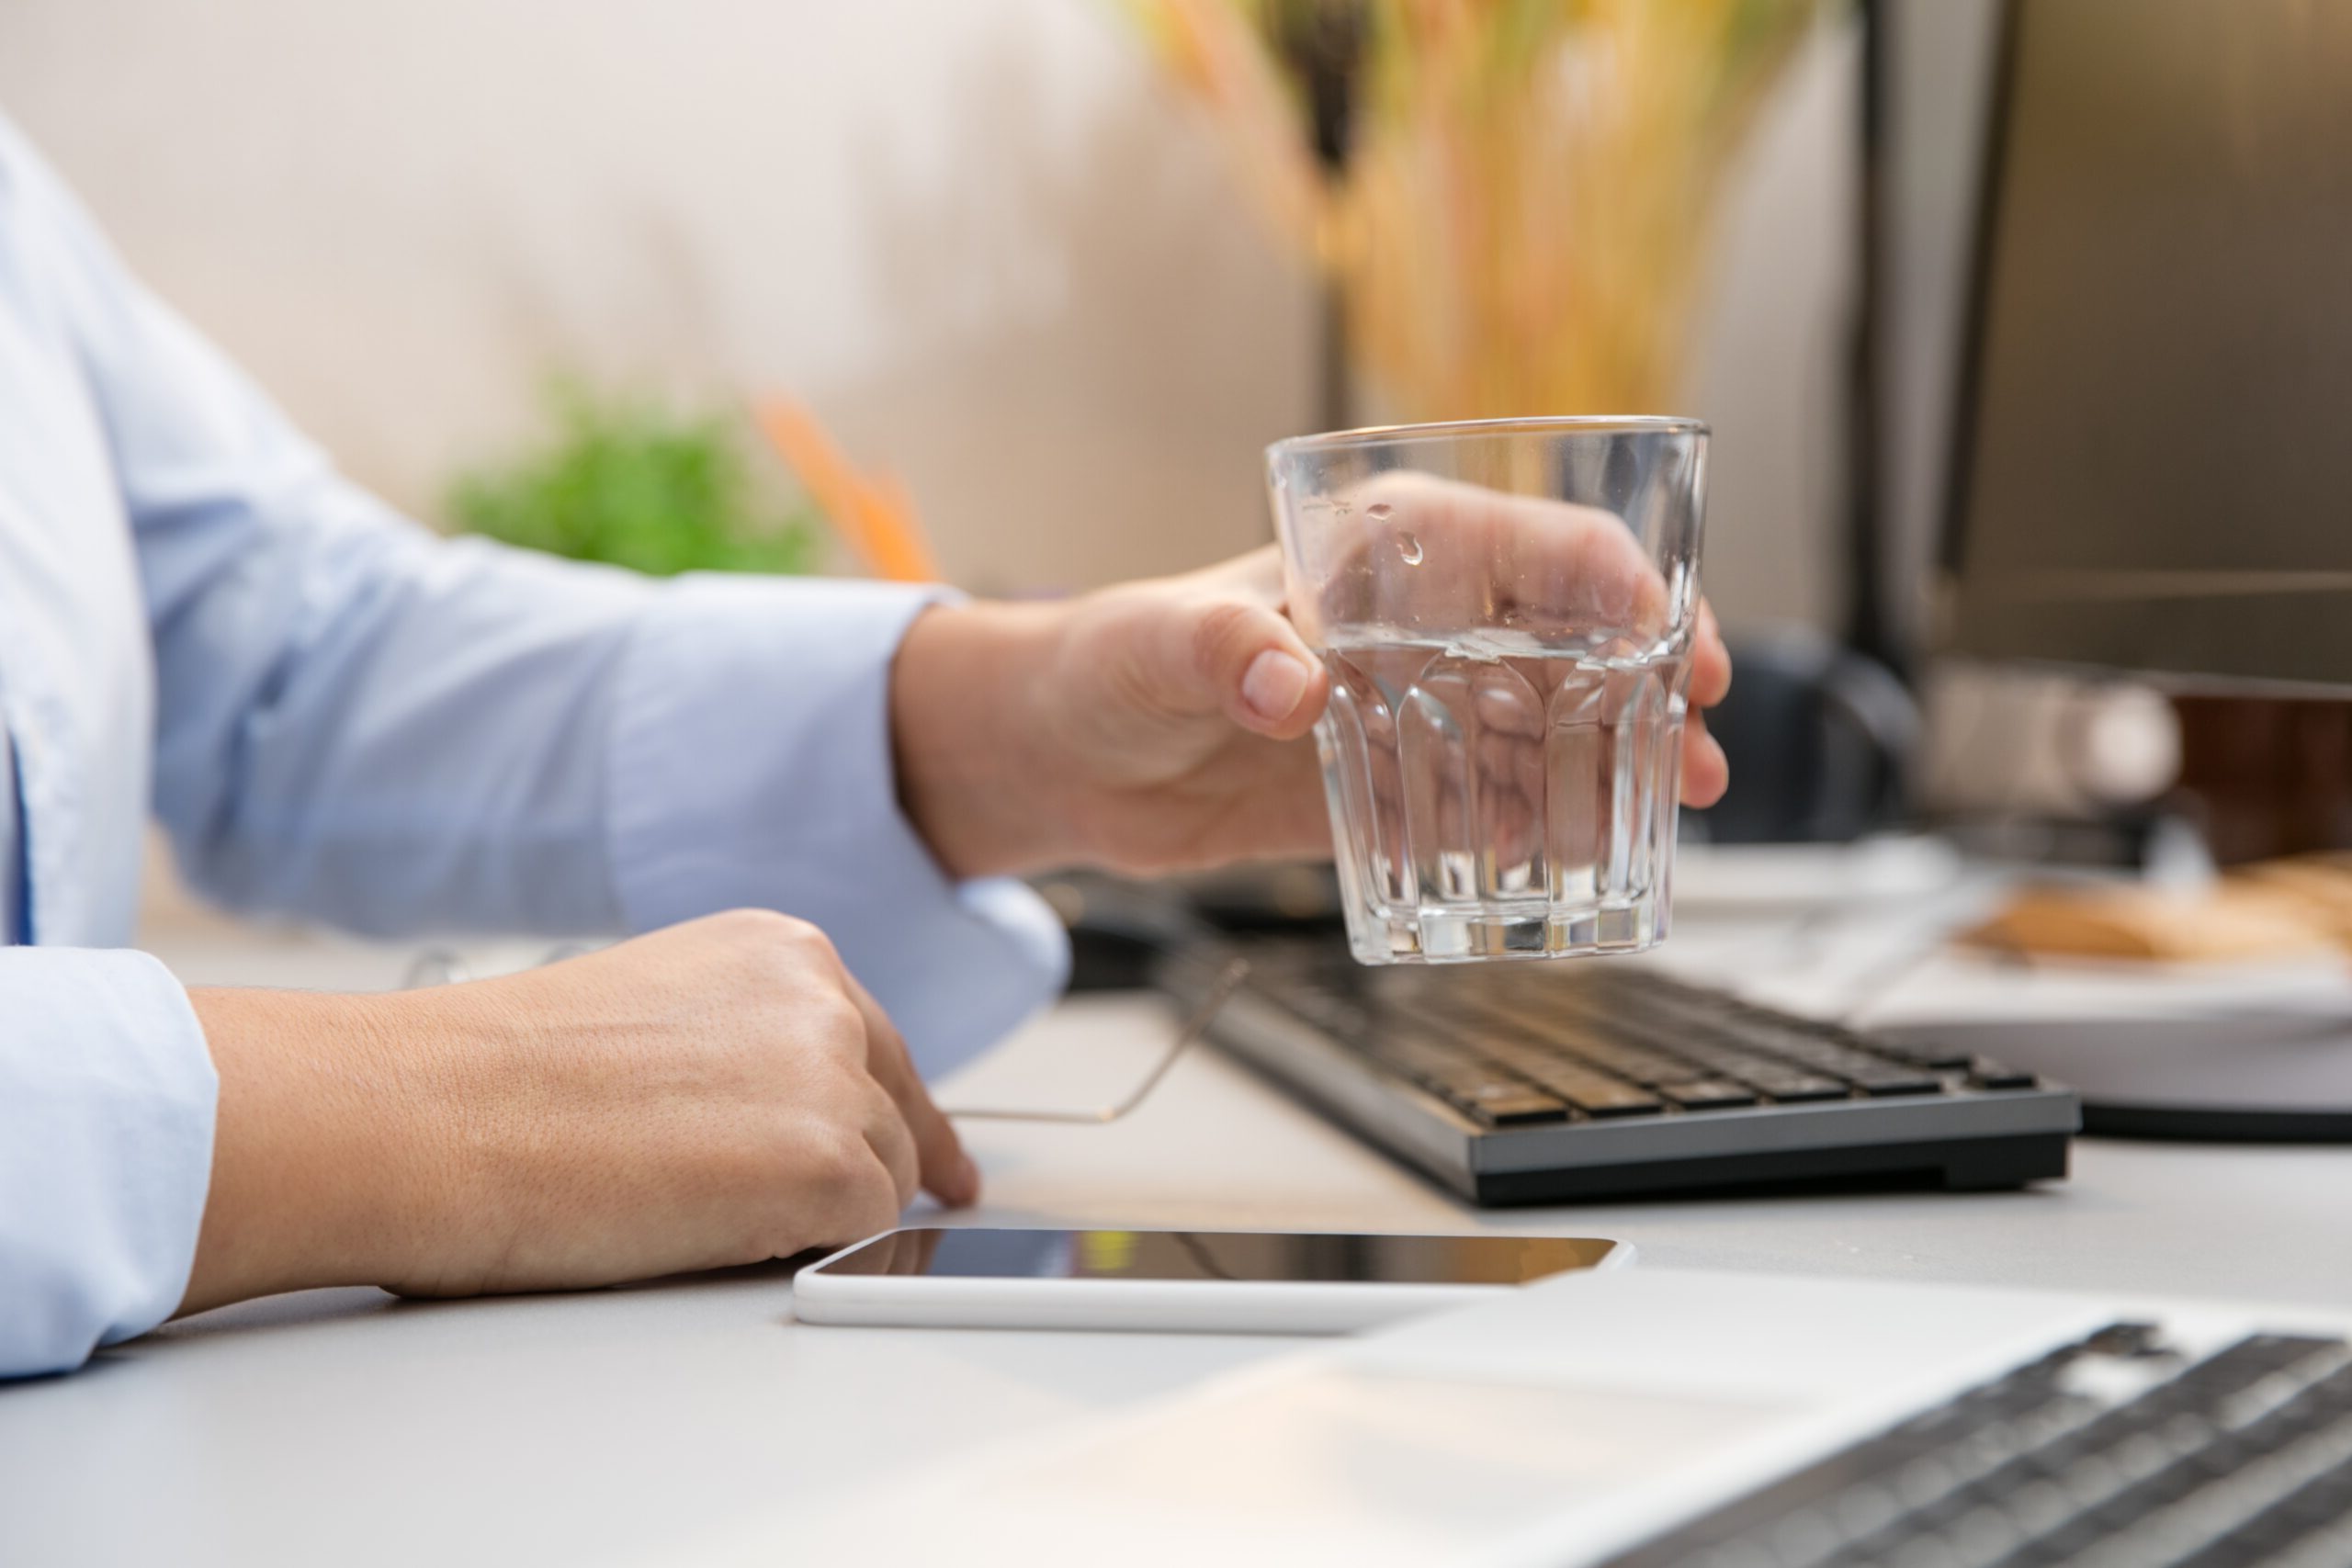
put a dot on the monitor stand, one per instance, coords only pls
(2241, 1076)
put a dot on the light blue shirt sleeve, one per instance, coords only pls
(105, 1144)
(358, 722)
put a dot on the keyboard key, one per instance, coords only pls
(1630, 1059)
(1890, 1080)
(1924, 1054)
(1788, 1086)
(1506, 1105)
(1597, 1094)
(1985, 1073)
(1872, 1075)
(1708, 1094)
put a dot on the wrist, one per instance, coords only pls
(979, 774)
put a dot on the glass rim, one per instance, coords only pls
(1526, 424)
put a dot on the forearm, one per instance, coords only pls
(311, 1144)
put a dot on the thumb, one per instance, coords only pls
(1248, 661)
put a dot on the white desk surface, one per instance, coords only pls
(623, 1426)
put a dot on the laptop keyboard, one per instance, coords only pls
(2116, 1450)
(1517, 1051)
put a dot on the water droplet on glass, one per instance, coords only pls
(1410, 549)
(1378, 511)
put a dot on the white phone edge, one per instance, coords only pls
(1164, 1306)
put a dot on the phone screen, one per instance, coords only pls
(979, 1254)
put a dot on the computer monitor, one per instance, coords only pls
(2153, 470)
(2152, 463)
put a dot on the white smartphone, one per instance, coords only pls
(1172, 1282)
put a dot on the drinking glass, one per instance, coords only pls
(1506, 608)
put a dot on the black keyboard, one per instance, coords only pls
(2116, 1450)
(1540, 1081)
(1515, 1056)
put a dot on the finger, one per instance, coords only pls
(1710, 660)
(1245, 660)
(893, 1144)
(1706, 772)
(1288, 807)
(1568, 568)
(942, 1168)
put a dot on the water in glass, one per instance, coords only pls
(1495, 796)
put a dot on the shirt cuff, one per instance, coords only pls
(107, 1101)
(751, 766)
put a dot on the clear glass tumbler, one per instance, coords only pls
(1506, 608)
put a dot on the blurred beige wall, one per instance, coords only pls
(983, 240)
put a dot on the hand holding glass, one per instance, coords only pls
(1507, 609)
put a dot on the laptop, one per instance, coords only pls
(1539, 1083)
(1659, 1418)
